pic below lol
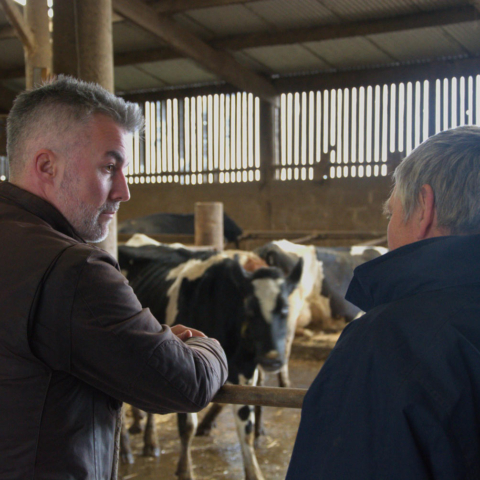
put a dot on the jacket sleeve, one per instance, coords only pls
(91, 325)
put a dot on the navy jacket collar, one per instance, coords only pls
(423, 266)
(14, 195)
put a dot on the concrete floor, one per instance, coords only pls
(218, 455)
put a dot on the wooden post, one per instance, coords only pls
(209, 224)
(262, 396)
(83, 48)
(38, 60)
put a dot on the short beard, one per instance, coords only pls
(84, 218)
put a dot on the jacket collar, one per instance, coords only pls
(14, 195)
(423, 266)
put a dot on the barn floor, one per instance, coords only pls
(218, 456)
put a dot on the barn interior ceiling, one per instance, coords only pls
(269, 46)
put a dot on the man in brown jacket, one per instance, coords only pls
(74, 340)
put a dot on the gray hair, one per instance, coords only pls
(57, 106)
(450, 163)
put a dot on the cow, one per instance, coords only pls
(319, 297)
(246, 311)
(338, 266)
(306, 297)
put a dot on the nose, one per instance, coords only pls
(120, 191)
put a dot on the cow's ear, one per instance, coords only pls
(295, 275)
(282, 260)
(240, 277)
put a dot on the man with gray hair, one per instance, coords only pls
(399, 396)
(74, 340)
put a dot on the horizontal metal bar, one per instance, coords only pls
(262, 396)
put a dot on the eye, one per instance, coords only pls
(110, 168)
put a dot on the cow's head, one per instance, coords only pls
(264, 329)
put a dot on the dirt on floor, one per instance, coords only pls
(218, 455)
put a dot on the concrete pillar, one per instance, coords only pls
(38, 61)
(209, 225)
(83, 48)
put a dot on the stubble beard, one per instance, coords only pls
(84, 218)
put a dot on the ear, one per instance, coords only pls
(426, 214)
(46, 164)
(295, 275)
(284, 261)
(239, 276)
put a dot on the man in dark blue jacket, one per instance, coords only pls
(399, 396)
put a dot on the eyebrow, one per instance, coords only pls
(117, 156)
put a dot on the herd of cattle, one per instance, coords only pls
(251, 302)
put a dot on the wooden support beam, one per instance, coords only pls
(351, 29)
(328, 32)
(342, 79)
(176, 6)
(382, 75)
(262, 396)
(15, 17)
(220, 63)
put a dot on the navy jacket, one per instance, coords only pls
(399, 396)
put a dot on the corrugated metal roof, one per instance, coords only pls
(287, 59)
(349, 52)
(128, 38)
(228, 20)
(282, 14)
(467, 34)
(417, 44)
(267, 18)
(178, 72)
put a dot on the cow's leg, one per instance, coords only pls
(283, 376)
(208, 420)
(245, 423)
(126, 455)
(138, 416)
(150, 445)
(259, 427)
(187, 423)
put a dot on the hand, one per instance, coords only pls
(183, 333)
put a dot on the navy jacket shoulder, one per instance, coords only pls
(399, 396)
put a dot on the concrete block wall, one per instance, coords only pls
(350, 204)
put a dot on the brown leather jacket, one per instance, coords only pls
(74, 344)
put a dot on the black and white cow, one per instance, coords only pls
(330, 278)
(319, 296)
(245, 311)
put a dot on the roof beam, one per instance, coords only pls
(364, 77)
(436, 18)
(220, 63)
(329, 32)
(15, 17)
(177, 6)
